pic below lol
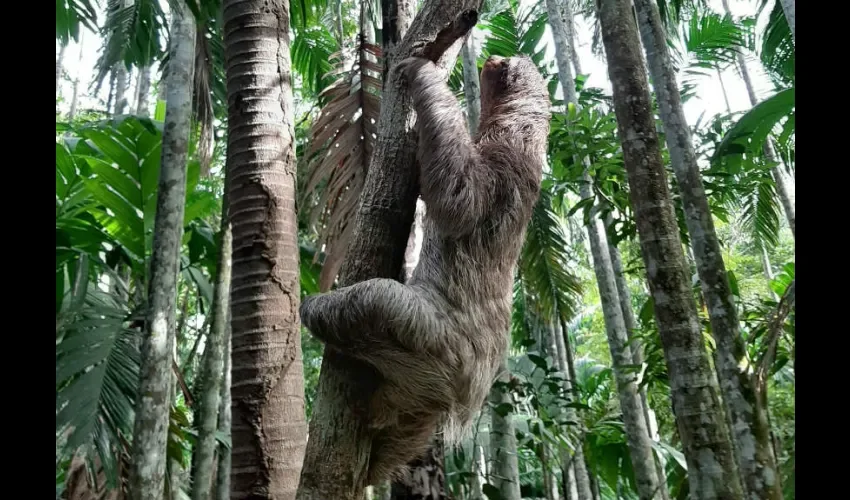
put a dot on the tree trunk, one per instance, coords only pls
(504, 465)
(150, 433)
(471, 85)
(790, 9)
(427, 480)
(222, 482)
(784, 185)
(336, 462)
(637, 353)
(59, 60)
(72, 110)
(206, 420)
(143, 89)
(750, 431)
(268, 429)
(640, 446)
(711, 464)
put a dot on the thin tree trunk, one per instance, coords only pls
(143, 89)
(640, 447)
(790, 9)
(72, 110)
(336, 462)
(750, 431)
(711, 465)
(268, 429)
(150, 433)
(723, 89)
(59, 60)
(784, 185)
(637, 352)
(504, 465)
(222, 482)
(212, 370)
(110, 97)
(471, 85)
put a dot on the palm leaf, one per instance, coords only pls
(131, 36)
(544, 264)
(70, 14)
(342, 139)
(777, 49)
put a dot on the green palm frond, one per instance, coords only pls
(544, 264)
(342, 140)
(711, 41)
(312, 50)
(760, 211)
(132, 36)
(70, 14)
(516, 30)
(777, 49)
(97, 369)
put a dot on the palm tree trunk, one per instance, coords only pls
(59, 60)
(504, 465)
(471, 86)
(143, 88)
(751, 434)
(206, 420)
(637, 353)
(784, 184)
(268, 429)
(72, 110)
(150, 433)
(640, 447)
(222, 482)
(336, 462)
(790, 9)
(711, 465)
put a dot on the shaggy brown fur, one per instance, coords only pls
(438, 340)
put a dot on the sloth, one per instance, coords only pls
(438, 340)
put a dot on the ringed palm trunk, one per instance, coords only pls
(750, 430)
(707, 447)
(150, 432)
(640, 446)
(212, 370)
(784, 184)
(268, 428)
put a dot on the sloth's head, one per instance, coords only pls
(513, 86)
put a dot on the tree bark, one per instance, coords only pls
(750, 431)
(504, 464)
(268, 428)
(336, 462)
(640, 446)
(143, 88)
(59, 60)
(427, 480)
(212, 369)
(222, 482)
(153, 404)
(471, 85)
(784, 185)
(711, 465)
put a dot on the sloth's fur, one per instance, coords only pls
(438, 339)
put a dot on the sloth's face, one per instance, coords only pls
(503, 77)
